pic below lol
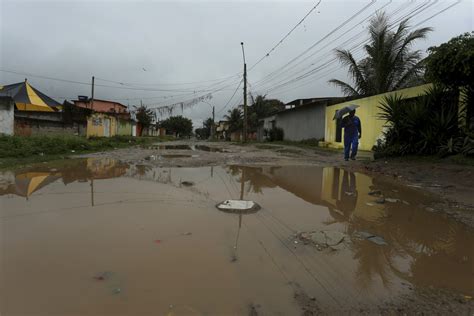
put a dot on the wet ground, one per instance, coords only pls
(100, 236)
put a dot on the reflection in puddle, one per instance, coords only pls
(187, 147)
(64, 223)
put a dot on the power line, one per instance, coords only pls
(319, 41)
(288, 34)
(359, 46)
(230, 99)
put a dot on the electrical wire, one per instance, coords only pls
(284, 37)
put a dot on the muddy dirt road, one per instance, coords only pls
(136, 232)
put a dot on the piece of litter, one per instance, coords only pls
(238, 206)
(392, 200)
(187, 183)
(349, 193)
(370, 204)
(375, 192)
(377, 240)
(187, 234)
(296, 241)
(117, 291)
(157, 241)
(380, 200)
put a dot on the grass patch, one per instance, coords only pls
(15, 150)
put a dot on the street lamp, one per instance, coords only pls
(213, 117)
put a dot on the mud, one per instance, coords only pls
(102, 236)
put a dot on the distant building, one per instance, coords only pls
(103, 106)
(301, 119)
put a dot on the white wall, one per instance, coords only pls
(6, 117)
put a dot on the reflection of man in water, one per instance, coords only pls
(348, 194)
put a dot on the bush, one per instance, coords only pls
(275, 134)
(421, 125)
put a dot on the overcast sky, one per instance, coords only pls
(183, 46)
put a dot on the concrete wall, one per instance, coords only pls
(28, 127)
(302, 123)
(97, 125)
(6, 117)
(124, 128)
(368, 112)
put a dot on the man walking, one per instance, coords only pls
(352, 133)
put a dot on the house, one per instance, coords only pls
(102, 106)
(35, 113)
(6, 114)
(301, 119)
(368, 112)
(109, 118)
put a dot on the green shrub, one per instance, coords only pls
(421, 125)
(275, 134)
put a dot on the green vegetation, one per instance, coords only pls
(440, 122)
(390, 63)
(204, 132)
(178, 125)
(275, 134)
(144, 115)
(18, 149)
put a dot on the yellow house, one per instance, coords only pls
(368, 112)
(101, 125)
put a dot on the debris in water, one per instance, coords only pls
(380, 200)
(371, 237)
(322, 239)
(238, 206)
(187, 234)
(102, 276)
(187, 183)
(392, 200)
(375, 192)
(117, 290)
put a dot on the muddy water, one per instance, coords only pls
(97, 237)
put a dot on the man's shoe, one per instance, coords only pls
(346, 159)
(353, 158)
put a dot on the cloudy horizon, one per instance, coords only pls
(162, 53)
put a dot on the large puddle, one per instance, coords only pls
(97, 237)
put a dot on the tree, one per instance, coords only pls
(178, 125)
(261, 108)
(144, 115)
(390, 63)
(234, 117)
(452, 65)
(205, 132)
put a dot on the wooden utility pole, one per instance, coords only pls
(245, 93)
(213, 123)
(92, 94)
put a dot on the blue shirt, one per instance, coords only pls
(352, 125)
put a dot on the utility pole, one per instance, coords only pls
(213, 123)
(245, 93)
(92, 94)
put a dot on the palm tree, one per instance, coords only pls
(234, 117)
(390, 63)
